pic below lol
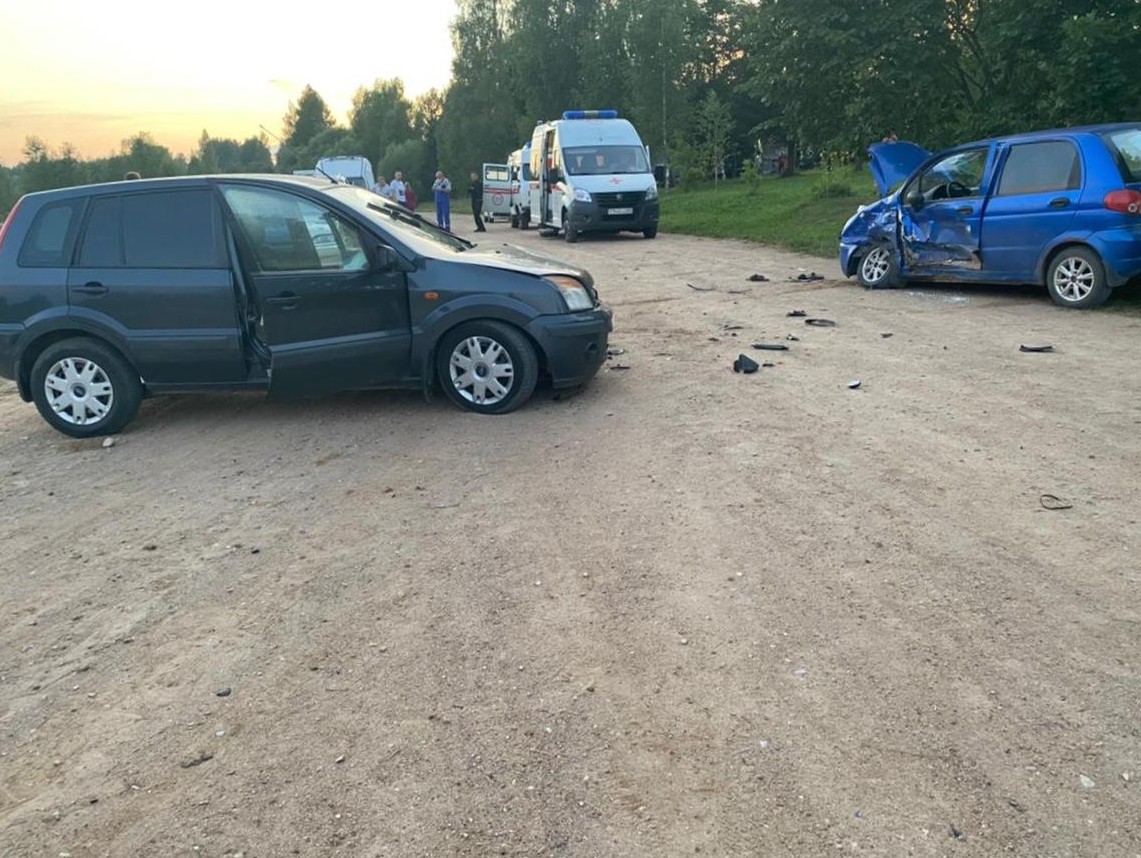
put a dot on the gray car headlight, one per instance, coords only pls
(573, 292)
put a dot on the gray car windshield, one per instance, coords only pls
(410, 227)
(605, 160)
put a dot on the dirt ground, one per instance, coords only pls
(681, 612)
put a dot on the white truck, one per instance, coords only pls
(354, 169)
(590, 172)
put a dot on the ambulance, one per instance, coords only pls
(590, 172)
(519, 169)
(496, 192)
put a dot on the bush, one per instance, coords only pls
(751, 176)
(834, 179)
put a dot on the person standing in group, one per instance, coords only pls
(409, 197)
(381, 187)
(443, 191)
(399, 189)
(476, 193)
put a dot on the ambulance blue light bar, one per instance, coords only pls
(590, 114)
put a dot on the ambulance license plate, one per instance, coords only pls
(620, 211)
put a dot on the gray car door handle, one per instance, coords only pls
(92, 287)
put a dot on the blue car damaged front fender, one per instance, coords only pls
(876, 223)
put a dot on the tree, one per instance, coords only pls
(714, 133)
(1093, 75)
(425, 116)
(220, 155)
(9, 191)
(660, 56)
(307, 118)
(411, 158)
(480, 119)
(44, 170)
(380, 117)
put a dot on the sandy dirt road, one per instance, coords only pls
(683, 612)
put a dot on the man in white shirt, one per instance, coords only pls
(398, 190)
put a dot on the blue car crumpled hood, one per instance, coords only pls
(872, 222)
(893, 162)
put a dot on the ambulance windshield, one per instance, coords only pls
(604, 160)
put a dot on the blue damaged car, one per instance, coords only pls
(1060, 208)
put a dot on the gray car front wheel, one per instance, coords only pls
(488, 367)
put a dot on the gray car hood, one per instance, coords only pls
(510, 257)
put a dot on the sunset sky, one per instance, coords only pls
(94, 74)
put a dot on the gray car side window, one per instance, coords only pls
(1038, 168)
(103, 236)
(171, 229)
(285, 232)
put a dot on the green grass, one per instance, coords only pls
(803, 212)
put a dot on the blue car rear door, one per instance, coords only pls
(1034, 201)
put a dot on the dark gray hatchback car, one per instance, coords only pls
(112, 292)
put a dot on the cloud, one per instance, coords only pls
(289, 87)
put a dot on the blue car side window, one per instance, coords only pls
(957, 175)
(1037, 168)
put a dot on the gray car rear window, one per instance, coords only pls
(51, 236)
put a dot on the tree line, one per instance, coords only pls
(704, 81)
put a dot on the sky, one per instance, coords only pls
(93, 74)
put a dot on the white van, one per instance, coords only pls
(519, 169)
(496, 192)
(354, 169)
(590, 172)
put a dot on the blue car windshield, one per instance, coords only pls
(1126, 149)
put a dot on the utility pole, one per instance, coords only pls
(274, 150)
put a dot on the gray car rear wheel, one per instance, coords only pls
(83, 388)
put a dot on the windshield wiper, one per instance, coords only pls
(418, 221)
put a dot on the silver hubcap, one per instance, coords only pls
(79, 391)
(1074, 278)
(876, 265)
(481, 370)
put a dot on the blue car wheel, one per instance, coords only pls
(878, 268)
(1076, 278)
